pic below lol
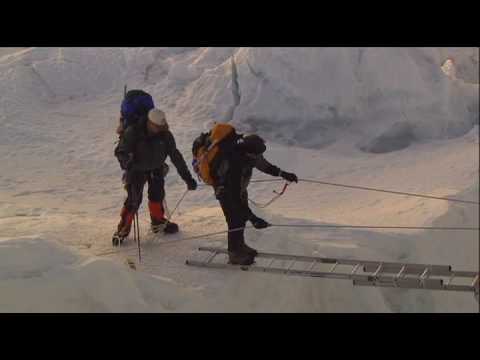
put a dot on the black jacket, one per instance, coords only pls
(235, 169)
(233, 174)
(149, 152)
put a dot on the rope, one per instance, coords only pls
(326, 226)
(124, 250)
(374, 189)
(177, 205)
(206, 235)
(304, 226)
(278, 194)
(378, 227)
(138, 237)
(313, 225)
(170, 214)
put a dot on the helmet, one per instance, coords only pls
(254, 144)
(157, 117)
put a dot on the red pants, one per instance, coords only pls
(156, 195)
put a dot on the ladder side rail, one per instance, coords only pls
(412, 269)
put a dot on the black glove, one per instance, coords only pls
(127, 178)
(191, 184)
(290, 177)
(258, 223)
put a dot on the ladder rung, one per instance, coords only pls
(398, 276)
(400, 273)
(210, 257)
(291, 265)
(270, 263)
(450, 280)
(375, 274)
(424, 275)
(355, 269)
(334, 267)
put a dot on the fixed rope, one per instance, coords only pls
(326, 226)
(373, 189)
(170, 214)
(379, 227)
(136, 227)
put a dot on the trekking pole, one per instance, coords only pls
(136, 225)
(138, 237)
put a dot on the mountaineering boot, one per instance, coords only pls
(123, 228)
(247, 249)
(240, 258)
(167, 227)
(117, 239)
(237, 253)
(159, 223)
(170, 228)
(156, 228)
(258, 223)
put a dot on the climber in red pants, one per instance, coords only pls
(142, 152)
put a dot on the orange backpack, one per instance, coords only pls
(207, 148)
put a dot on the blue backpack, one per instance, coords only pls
(135, 105)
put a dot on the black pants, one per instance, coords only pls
(236, 211)
(136, 183)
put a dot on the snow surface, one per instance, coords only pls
(404, 119)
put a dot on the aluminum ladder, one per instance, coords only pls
(362, 272)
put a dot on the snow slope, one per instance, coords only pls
(62, 281)
(390, 118)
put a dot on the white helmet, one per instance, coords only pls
(157, 117)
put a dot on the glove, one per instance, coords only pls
(290, 177)
(127, 177)
(258, 223)
(191, 184)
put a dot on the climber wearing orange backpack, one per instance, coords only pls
(225, 160)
